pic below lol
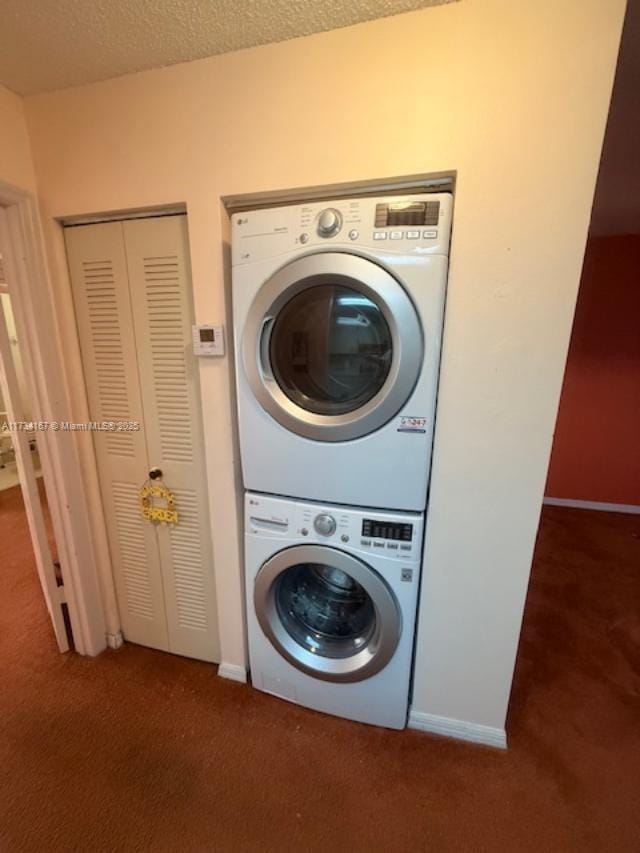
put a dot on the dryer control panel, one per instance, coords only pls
(411, 224)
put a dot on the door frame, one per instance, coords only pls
(36, 323)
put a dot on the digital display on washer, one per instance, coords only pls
(387, 530)
(407, 213)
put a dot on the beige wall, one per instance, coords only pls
(511, 95)
(16, 166)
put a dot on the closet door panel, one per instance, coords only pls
(99, 277)
(160, 282)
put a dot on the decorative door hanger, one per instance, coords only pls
(158, 513)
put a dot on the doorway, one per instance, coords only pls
(23, 497)
(8, 466)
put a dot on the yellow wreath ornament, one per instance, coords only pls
(168, 513)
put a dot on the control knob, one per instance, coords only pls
(324, 524)
(329, 222)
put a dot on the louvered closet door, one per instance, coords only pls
(160, 283)
(97, 264)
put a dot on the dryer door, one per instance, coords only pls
(332, 348)
(328, 613)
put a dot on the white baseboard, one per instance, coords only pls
(233, 672)
(632, 509)
(114, 641)
(474, 732)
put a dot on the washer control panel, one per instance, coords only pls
(378, 533)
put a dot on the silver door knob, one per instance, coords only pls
(324, 524)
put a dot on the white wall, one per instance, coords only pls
(514, 97)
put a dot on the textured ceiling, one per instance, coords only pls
(52, 44)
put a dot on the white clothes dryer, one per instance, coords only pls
(338, 311)
(331, 597)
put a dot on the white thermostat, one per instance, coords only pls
(208, 340)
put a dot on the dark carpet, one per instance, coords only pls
(142, 751)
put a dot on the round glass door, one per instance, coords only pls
(332, 346)
(330, 349)
(330, 614)
(325, 610)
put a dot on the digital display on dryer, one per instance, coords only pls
(407, 213)
(387, 530)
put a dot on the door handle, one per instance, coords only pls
(263, 346)
(155, 474)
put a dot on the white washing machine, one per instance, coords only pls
(331, 605)
(338, 310)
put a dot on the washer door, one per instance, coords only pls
(328, 613)
(332, 348)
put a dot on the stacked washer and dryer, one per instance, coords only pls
(338, 312)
